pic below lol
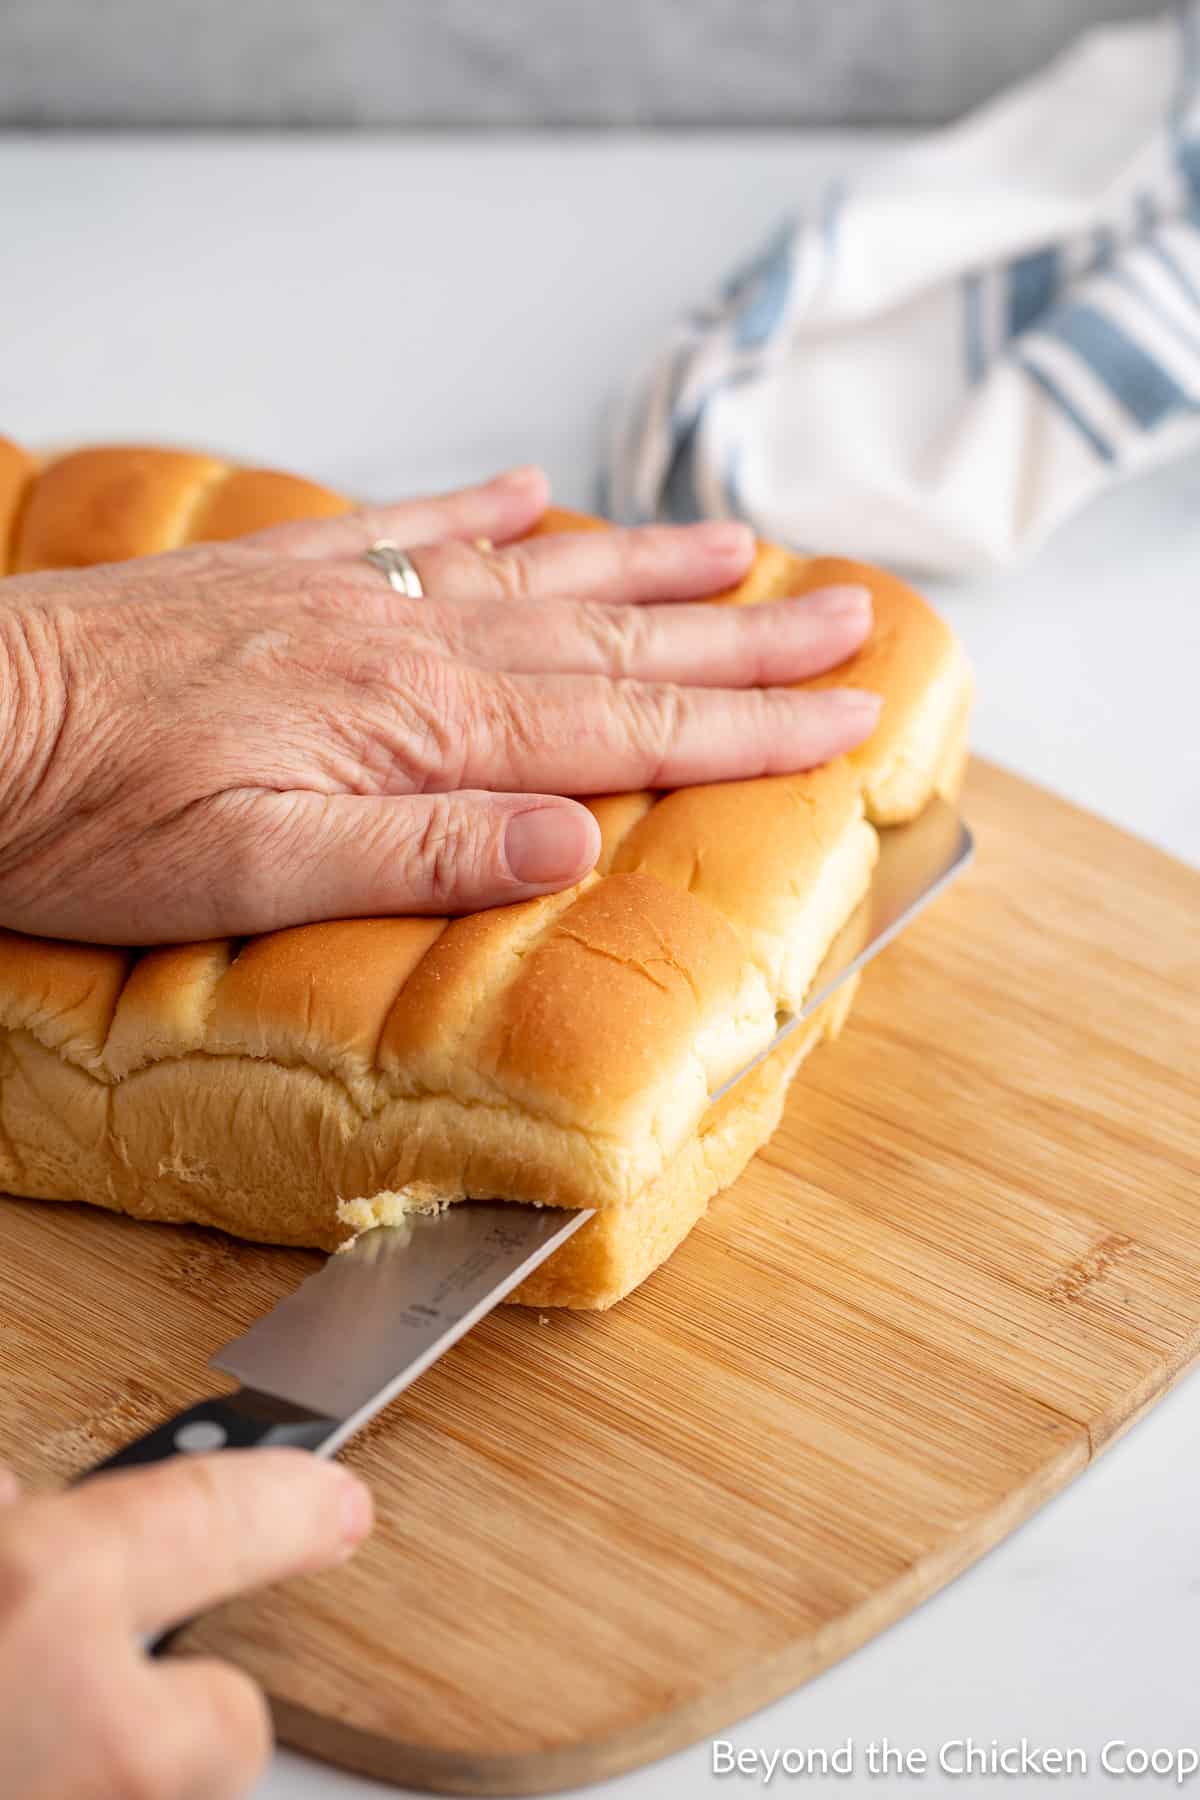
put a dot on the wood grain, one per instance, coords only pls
(969, 1258)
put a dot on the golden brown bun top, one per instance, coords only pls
(105, 505)
(16, 473)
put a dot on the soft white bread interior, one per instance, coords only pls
(304, 1085)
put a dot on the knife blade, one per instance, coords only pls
(392, 1302)
(351, 1337)
(330, 1355)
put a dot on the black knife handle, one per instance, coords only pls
(243, 1420)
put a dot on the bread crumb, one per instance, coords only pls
(390, 1207)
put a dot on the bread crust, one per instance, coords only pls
(307, 1084)
(17, 470)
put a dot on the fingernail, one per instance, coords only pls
(839, 602)
(726, 537)
(525, 476)
(550, 843)
(857, 705)
(357, 1507)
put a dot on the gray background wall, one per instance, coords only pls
(520, 62)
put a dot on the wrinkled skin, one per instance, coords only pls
(240, 736)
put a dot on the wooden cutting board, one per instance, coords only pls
(968, 1259)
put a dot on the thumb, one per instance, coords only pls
(346, 855)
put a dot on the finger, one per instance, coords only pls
(499, 509)
(10, 1487)
(713, 646)
(346, 856)
(583, 734)
(215, 1727)
(653, 562)
(189, 1533)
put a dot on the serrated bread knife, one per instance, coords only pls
(327, 1357)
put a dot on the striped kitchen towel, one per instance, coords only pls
(935, 365)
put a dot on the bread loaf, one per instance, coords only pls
(304, 1085)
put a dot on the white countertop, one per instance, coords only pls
(395, 314)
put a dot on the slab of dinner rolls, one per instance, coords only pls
(299, 1087)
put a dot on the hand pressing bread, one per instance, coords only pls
(239, 736)
(307, 1083)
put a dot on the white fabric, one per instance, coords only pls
(935, 366)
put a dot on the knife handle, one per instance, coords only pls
(243, 1420)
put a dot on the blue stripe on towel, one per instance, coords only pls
(1104, 247)
(747, 273)
(1187, 150)
(973, 350)
(1171, 263)
(1187, 155)
(1141, 385)
(1134, 284)
(732, 482)
(1069, 410)
(679, 496)
(1032, 285)
(760, 313)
